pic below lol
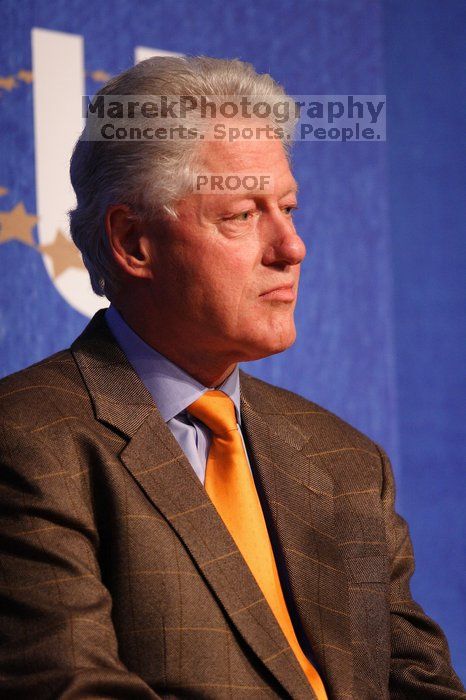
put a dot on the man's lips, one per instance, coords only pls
(283, 292)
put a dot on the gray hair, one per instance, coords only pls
(149, 177)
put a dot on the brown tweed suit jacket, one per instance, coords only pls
(119, 579)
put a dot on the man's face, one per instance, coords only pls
(225, 273)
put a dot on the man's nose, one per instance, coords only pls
(285, 246)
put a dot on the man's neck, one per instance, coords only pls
(209, 370)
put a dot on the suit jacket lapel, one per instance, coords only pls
(298, 500)
(159, 466)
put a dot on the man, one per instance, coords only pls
(173, 527)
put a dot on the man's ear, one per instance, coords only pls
(128, 241)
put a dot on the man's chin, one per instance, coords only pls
(271, 346)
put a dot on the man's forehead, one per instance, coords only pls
(242, 152)
(257, 166)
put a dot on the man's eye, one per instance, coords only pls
(290, 210)
(243, 216)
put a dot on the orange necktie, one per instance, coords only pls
(231, 487)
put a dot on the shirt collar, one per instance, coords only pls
(171, 387)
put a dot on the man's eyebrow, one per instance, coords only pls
(292, 190)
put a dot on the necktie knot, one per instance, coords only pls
(216, 410)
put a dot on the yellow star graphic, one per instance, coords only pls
(63, 254)
(17, 225)
(25, 76)
(8, 82)
(100, 76)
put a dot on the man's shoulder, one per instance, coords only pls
(43, 391)
(311, 419)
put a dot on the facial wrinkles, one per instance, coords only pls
(235, 267)
(252, 233)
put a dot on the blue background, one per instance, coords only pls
(379, 312)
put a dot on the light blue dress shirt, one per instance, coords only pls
(173, 390)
